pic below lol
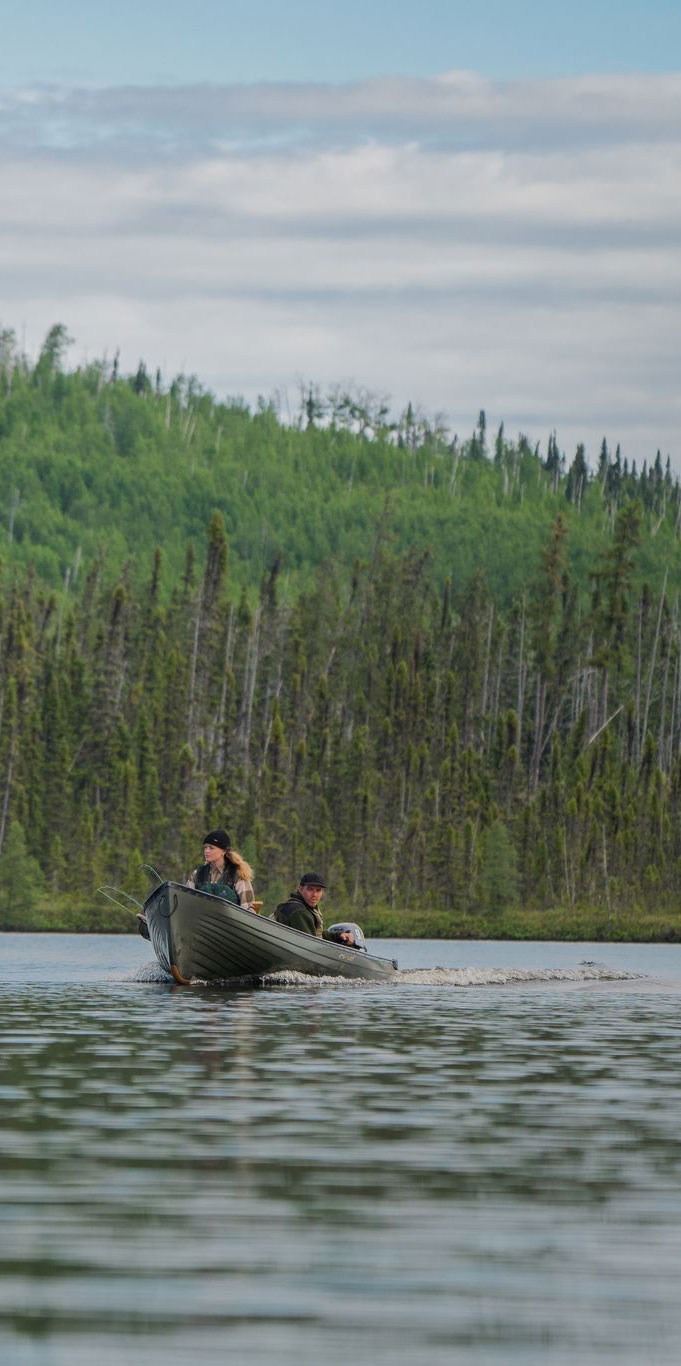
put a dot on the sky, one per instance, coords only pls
(247, 41)
(462, 207)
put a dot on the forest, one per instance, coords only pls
(447, 673)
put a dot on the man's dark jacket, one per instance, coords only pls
(296, 913)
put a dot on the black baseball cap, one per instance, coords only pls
(312, 880)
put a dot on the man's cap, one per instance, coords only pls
(312, 880)
(219, 838)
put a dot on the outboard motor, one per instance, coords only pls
(347, 933)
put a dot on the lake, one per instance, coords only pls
(479, 1163)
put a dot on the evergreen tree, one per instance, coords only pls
(21, 881)
(499, 875)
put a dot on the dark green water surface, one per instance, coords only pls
(470, 1167)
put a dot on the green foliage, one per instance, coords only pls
(22, 883)
(499, 868)
(452, 682)
(91, 462)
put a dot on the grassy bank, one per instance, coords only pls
(634, 925)
(637, 925)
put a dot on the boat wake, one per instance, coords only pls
(437, 977)
(464, 977)
(476, 977)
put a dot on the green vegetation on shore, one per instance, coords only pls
(582, 923)
(448, 674)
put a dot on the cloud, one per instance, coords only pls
(452, 241)
(457, 109)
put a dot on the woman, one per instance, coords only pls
(224, 873)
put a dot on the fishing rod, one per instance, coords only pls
(107, 891)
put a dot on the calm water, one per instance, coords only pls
(465, 1166)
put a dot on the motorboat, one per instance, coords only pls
(197, 936)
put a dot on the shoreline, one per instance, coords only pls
(558, 924)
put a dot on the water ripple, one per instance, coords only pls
(489, 1175)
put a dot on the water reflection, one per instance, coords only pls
(389, 1176)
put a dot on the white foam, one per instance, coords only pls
(146, 972)
(287, 978)
(437, 976)
(462, 977)
(477, 977)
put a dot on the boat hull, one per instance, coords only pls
(196, 936)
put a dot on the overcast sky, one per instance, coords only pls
(442, 206)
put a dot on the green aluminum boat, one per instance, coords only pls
(199, 937)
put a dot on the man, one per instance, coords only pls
(301, 911)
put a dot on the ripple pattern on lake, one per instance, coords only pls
(421, 1175)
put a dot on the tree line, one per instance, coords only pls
(94, 463)
(420, 742)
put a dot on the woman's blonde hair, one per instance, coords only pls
(242, 867)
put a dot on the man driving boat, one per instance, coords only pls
(302, 912)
